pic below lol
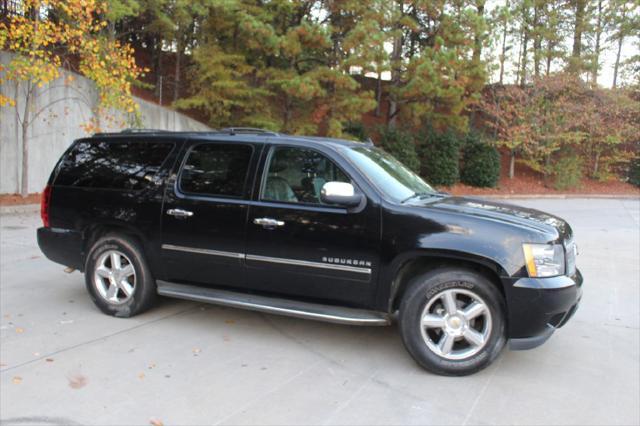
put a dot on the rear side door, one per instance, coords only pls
(297, 246)
(205, 212)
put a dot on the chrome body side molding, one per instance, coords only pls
(308, 264)
(294, 262)
(273, 305)
(203, 251)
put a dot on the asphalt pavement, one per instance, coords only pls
(64, 362)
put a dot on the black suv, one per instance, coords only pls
(309, 227)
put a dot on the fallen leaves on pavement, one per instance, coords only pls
(77, 381)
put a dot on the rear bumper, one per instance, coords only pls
(537, 307)
(62, 246)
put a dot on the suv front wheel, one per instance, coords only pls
(118, 277)
(452, 321)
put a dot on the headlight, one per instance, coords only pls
(544, 260)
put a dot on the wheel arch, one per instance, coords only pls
(95, 231)
(415, 263)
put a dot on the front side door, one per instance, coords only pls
(297, 245)
(205, 212)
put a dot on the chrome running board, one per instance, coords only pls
(272, 305)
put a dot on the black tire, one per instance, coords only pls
(144, 291)
(434, 285)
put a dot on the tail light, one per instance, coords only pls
(45, 203)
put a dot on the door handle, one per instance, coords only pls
(268, 222)
(179, 213)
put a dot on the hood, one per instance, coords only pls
(505, 213)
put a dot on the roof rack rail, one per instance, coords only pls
(140, 130)
(234, 130)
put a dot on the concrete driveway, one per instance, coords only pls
(63, 362)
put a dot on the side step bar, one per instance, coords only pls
(291, 308)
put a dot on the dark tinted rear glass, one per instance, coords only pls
(113, 165)
(216, 169)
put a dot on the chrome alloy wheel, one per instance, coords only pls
(456, 324)
(114, 277)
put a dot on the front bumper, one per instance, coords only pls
(538, 306)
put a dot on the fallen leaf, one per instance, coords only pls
(17, 380)
(78, 381)
(229, 321)
(19, 330)
(141, 376)
(155, 422)
(49, 359)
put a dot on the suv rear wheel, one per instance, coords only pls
(452, 321)
(117, 276)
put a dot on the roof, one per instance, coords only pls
(229, 134)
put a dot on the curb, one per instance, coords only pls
(555, 196)
(19, 209)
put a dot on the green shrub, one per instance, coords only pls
(480, 163)
(357, 130)
(634, 171)
(567, 172)
(440, 155)
(401, 145)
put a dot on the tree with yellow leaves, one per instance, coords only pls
(47, 34)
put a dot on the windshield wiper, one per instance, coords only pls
(418, 195)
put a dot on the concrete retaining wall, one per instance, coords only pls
(58, 125)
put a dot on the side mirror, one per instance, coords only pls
(340, 193)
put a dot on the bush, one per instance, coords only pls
(356, 130)
(634, 172)
(440, 155)
(567, 172)
(401, 145)
(480, 163)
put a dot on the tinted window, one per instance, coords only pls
(391, 176)
(297, 175)
(216, 169)
(113, 165)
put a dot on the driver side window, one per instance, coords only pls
(296, 175)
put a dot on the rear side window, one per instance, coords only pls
(113, 165)
(216, 169)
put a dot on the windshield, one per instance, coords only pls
(389, 175)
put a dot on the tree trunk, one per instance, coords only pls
(478, 36)
(503, 55)
(176, 80)
(617, 64)
(596, 165)
(512, 163)
(550, 46)
(396, 56)
(26, 118)
(576, 51)
(379, 94)
(537, 38)
(596, 53)
(525, 42)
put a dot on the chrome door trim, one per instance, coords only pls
(203, 251)
(308, 264)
